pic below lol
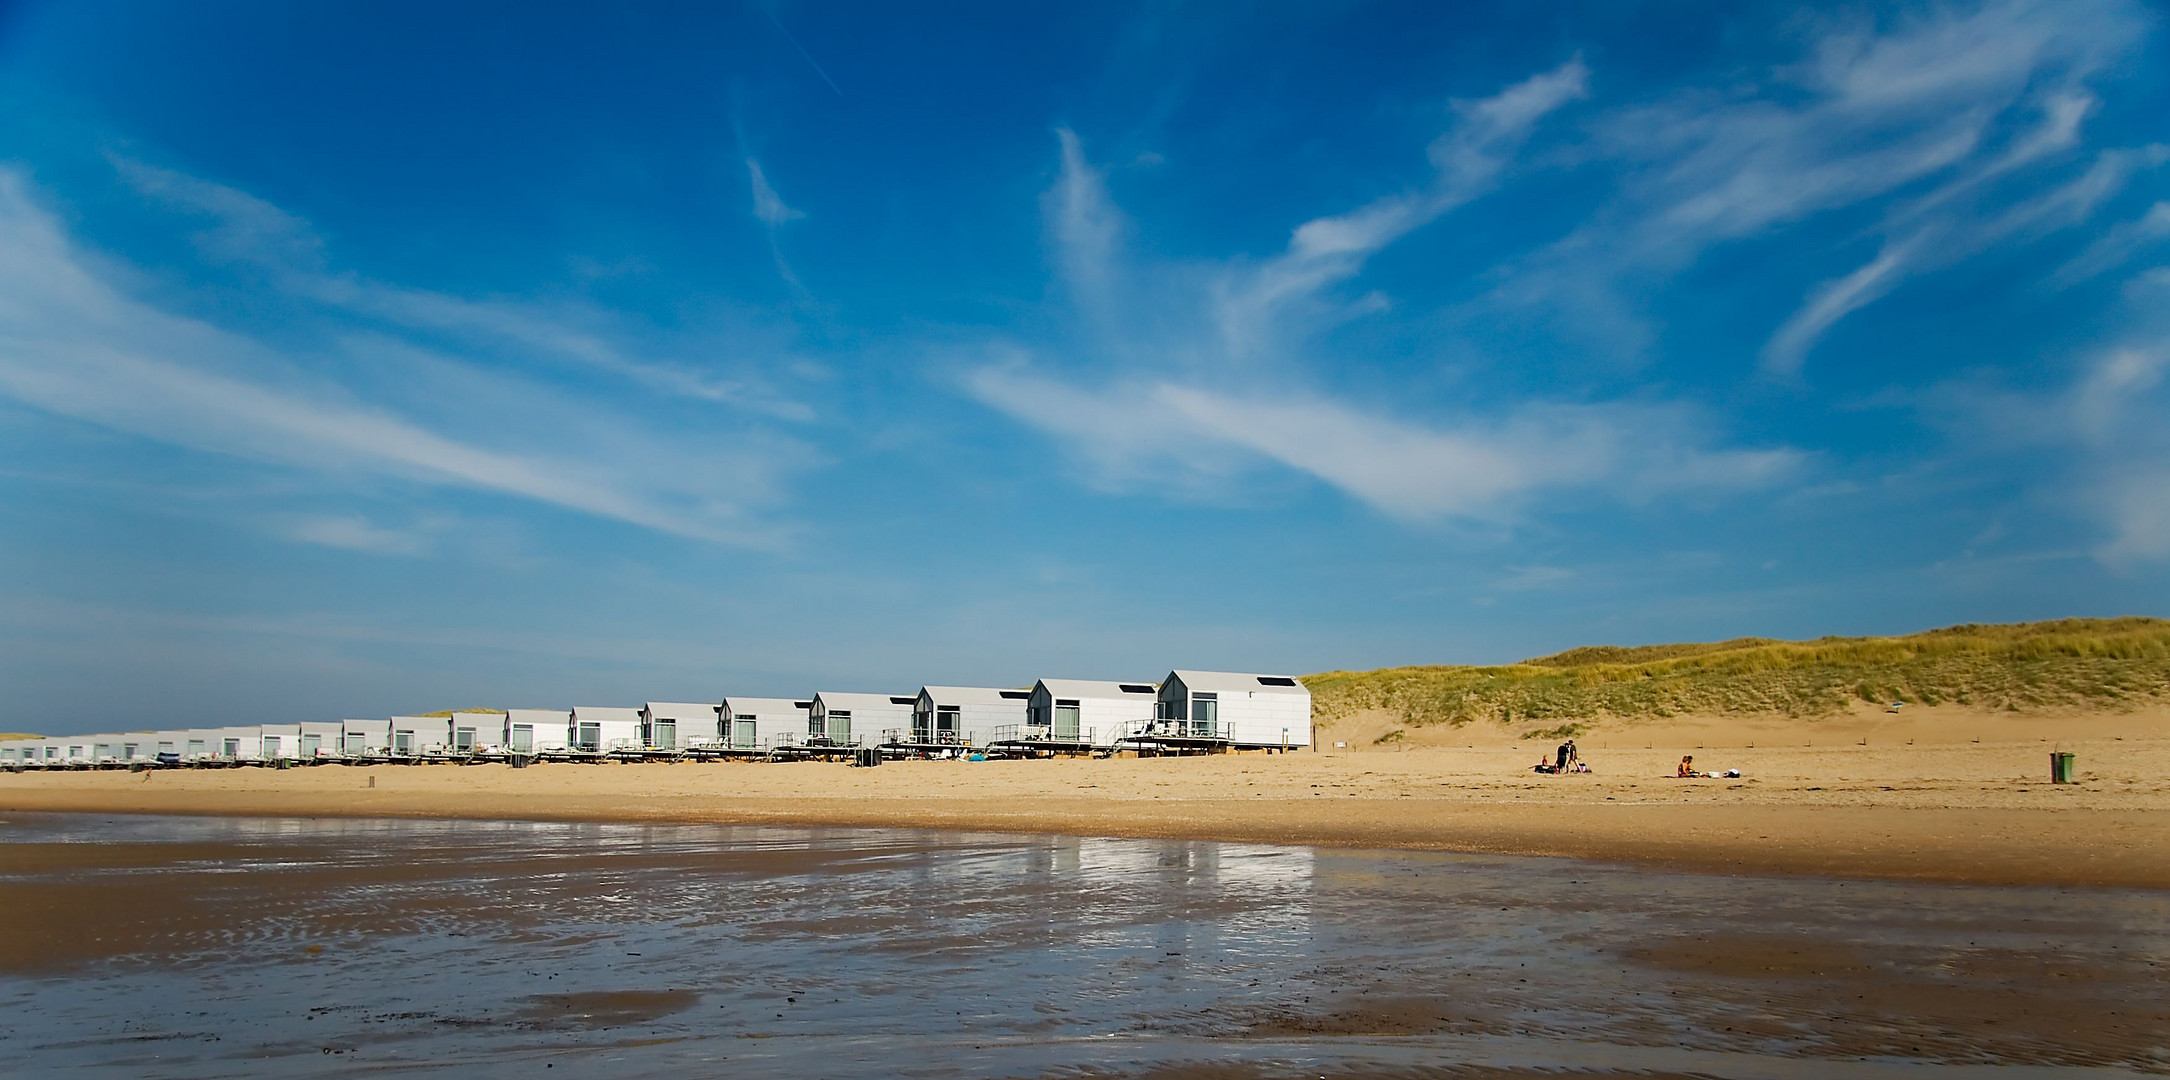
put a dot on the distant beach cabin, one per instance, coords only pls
(167, 746)
(1248, 711)
(764, 723)
(603, 728)
(967, 715)
(677, 725)
(1089, 711)
(477, 731)
(281, 741)
(365, 738)
(841, 719)
(320, 739)
(414, 736)
(537, 731)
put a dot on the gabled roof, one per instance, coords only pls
(763, 706)
(680, 710)
(833, 699)
(605, 714)
(1094, 688)
(1228, 682)
(974, 695)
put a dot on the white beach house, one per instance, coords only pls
(1248, 711)
(477, 730)
(603, 728)
(281, 741)
(677, 725)
(322, 739)
(966, 715)
(536, 731)
(843, 719)
(365, 738)
(764, 723)
(1089, 711)
(414, 736)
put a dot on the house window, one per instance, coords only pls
(233, 748)
(357, 743)
(195, 747)
(165, 748)
(666, 734)
(1205, 710)
(312, 745)
(271, 746)
(742, 730)
(1066, 717)
(128, 751)
(523, 738)
(946, 723)
(403, 742)
(464, 739)
(591, 737)
(839, 726)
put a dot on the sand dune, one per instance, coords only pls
(1813, 798)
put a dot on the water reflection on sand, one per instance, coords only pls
(200, 947)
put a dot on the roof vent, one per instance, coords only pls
(1136, 688)
(904, 701)
(1275, 680)
(1015, 695)
(802, 704)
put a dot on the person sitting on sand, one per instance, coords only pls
(1687, 768)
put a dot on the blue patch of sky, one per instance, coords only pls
(360, 358)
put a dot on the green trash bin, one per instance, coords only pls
(2061, 768)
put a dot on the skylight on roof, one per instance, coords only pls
(1276, 680)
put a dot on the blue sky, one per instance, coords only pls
(361, 358)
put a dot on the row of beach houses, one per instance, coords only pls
(1185, 712)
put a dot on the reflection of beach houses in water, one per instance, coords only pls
(840, 719)
(476, 731)
(1244, 711)
(537, 731)
(963, 716)
(365, 738)
(764, 723)
(677, 725)
(413, 736)
(1087, 711)
(603, 728)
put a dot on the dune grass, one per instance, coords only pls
(2019, 667)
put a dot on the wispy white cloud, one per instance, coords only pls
(1085, 224)
(1954, 99)
(251, 231)
(1186, 440)
(1170, 396)
(2116, 246)
(768, 207)
(349, 533)
(1467, 160)
(74, 345)
(1832, 302)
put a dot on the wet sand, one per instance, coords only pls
(495, 948)
(1967, 812)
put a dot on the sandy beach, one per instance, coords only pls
(1916, 802)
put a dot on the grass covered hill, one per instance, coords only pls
(2097, 663)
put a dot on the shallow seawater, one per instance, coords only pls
(193, 947)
